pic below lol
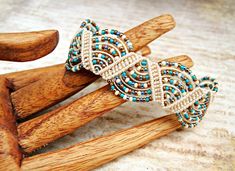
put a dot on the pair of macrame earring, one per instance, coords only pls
(108, 53)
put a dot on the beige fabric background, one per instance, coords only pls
(205, 31)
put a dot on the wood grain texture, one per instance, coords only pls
(10, 155)
(204, 31)
(91, 154)
(24, 78)
(27, 46)
(58, 85)
(49, 90)
(158, 26)
(39, 131)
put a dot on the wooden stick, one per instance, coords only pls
(27, 46)
(60, 87)
(93, 153)
(39, 131)
(54, 88)
(24, 78)
(10, 155)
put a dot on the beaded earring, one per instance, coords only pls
(108, 53)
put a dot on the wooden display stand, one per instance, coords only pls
(24, 93)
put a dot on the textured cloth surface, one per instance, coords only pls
(205, 31)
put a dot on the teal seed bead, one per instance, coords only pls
(111, 40)
(182, 67)
(112, 87)
(149, 91)
(134, 75)
(124, 74)
(94, 61)
(134, 99)
(121, 95)
(147, 77)
(194, 77)
(114, 52)
(144, 62)
(147, 99)
(129, 82)
(171, 81)
(102, 56)
(75, 60)
(192, 111)
(186, 115)
(190, 86)
(75, 53)
(166, 88)
(172, 90)
(112, 31)
(103, 32)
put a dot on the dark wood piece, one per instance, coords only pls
(10, 155)
(27, 46)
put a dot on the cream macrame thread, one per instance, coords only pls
(135, 78)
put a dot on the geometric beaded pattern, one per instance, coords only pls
(108, 53)
(134, 83)
(184, 94)
(96, 49)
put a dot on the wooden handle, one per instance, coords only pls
(10, 155)
(93, 153)
(55, 124)
(27, 46)
(54, 88)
